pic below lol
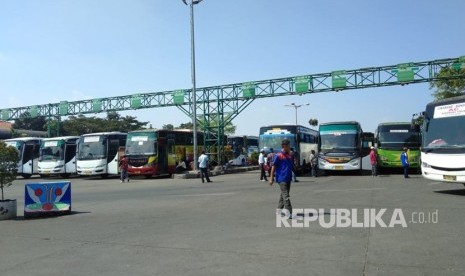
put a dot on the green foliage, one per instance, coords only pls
(254, 158)
(114, 122)
(229, 128)
(26, 122)
(9, 158)
(313, 122)
(451, 83)
(187, 125)
(168, 127)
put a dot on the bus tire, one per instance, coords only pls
(105, 175)
(26, 176)
(64, 175)
(243, 162)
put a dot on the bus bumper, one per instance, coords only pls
(444, 176)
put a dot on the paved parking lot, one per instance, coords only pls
(228, 227)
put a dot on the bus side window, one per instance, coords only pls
(170, 146)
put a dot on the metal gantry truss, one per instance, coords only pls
(217, 106)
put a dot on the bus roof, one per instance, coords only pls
(458, 99)
(341, 123)
(65, 138)
(394, 123)
(104, 133)
(242, 136)
(160, 130)
(24, 139)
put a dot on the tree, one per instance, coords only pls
(26, 122)
(168, 127)
(113, 122)
(229, 128)
(313, 122)
(451, 87)
(188, 125)
(9, 158)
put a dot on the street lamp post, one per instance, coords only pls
(296, 106)
(194, 100)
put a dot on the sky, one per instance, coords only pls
(55, 50)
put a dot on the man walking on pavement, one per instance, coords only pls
(203, 165)
(283, 165)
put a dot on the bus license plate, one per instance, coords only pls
(338, 167)
(46, 172)
(87, 172)
(450, 177)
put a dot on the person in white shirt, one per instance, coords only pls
(203, 165)
(261, 164)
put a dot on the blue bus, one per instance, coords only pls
(303, 141)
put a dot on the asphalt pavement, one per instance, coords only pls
(229, 227)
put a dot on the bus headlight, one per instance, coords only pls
(383, 158)
(354, 162)
(425, 165)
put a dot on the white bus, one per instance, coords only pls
(344, 146)
(443, 137)
(28, 148)
(58, 156)
(98, 153)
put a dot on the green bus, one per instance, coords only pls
(391, 138)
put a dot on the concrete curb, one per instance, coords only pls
(216, 171)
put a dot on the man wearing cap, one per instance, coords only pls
(261, 164)
(283, 165)
(373, 161)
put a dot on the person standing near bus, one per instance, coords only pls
(261, 164)
(283, 165)
(373, 161)
(123, 166)
(269, 159)
(314, 163)
(405, 163)
(295, 158)
(203, 165)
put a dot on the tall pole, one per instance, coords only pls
(295, 106)
(296, 114)
(194, 98)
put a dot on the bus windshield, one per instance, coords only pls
(52, 151)
(446, 132)
(398, 136)
(274, 140)
(92, 147)
(140, 144)
(339, 137)
(16, 144)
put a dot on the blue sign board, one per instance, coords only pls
(47, 198)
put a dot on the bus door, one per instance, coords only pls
(162, 156)
(70, 158)
(368, 140)
(29, 163)
(171, 156)
(112, 155)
